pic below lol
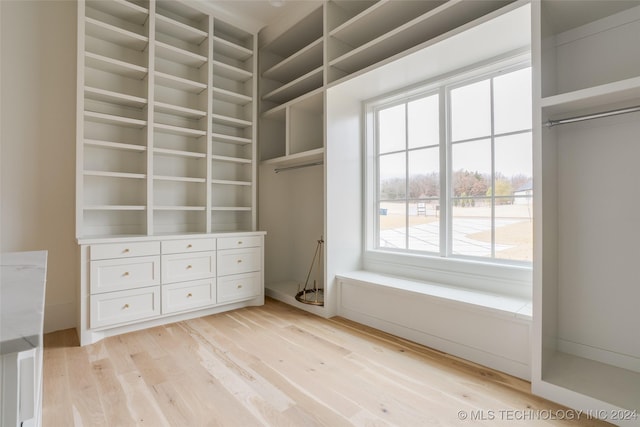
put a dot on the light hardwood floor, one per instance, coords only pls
(277, 366)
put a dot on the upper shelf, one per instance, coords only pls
(111, 65)
(435, 22)
(232, 50)
(379, 19)
(102, 30)
(306, 59)
(611, 93)
(181, 56)
(304, 84)
(122, 9)
(179, 30)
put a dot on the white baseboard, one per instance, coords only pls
(620, 360)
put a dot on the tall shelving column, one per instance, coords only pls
(112, 100)
(586, 351)
(180, 119)
(233, 110)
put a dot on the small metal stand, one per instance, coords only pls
(315, 295)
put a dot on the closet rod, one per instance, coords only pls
(306, 165)
(552, 123)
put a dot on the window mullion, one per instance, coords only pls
(445, 174)
(493, 171)
(406, 175)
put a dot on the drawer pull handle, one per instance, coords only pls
(239, 261)
(239, 286)
(189, 267)
(125, 306)
(125, 274)
(189, 246)
(189, 295)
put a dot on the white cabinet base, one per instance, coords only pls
(188, 285)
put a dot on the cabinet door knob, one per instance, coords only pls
(189, 246)
(125, 306)
(125, 274)
(239, 286)
(189, 267)
(125, 251)
(239, 261)
(189, 295)
(239, 242)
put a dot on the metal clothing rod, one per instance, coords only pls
(306, 165)
(552, 123)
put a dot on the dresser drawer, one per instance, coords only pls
(188, 295)
(234, 261)
(124, 306)
(239, 242)
(125, 273)
(239, 287)
(188, 245)
(183, 267)
(123, 250)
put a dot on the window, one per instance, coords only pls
(453, 169)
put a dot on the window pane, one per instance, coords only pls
(471, 208)
(513, 165)
(392, 129)
(471, 226)
(424, 126)
(471, 168)
(393, 225)
(424, 204)
(392, 173)
(471, 111)
(512, 101)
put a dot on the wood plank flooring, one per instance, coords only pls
(277, 366)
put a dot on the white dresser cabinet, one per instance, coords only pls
(136, 283)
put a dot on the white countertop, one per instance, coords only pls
(22, 289)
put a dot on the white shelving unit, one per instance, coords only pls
(586, 351)
(166, 118)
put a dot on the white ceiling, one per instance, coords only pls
(258, 14)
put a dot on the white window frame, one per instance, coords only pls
(494, 275)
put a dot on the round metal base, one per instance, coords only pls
(311, 296)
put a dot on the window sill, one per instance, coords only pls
(503, 305)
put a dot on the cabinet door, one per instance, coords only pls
(188, 295)
(183, 267)
(112, 308)
(235, 261)
(239, 287)
(126, 273)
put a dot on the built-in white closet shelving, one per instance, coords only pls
(586, 351)
(335, 41)
(166, 166)
(166, 139)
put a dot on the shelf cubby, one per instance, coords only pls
(179, 30)
(118, 98)
(121, 9)
(180, 83)
(116, 35)
(115, 66)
